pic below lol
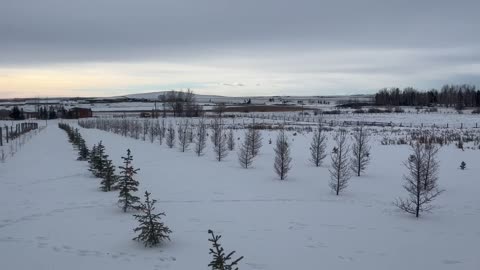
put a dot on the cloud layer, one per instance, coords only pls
(104, 47)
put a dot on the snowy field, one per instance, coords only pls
(443, 118)
(55, 217)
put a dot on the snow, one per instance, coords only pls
(54, 216)
(255, 99)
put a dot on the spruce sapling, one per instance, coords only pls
(127, 184)
(221, 261)
(152, 230)
(109, 178)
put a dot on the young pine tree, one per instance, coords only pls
(83, 151)
(245, 156)
(219, 139)
(127, 184)
(183, 141)
(109, 178)
(161, 131)
(220, 148)
(190, 136)
(97, 160)
(255, 140)
(282, 155)
(220, 260)
(145, 129)
(200, 139)
(360, 151)
(340, 170)
(217, 130)
(170, 136)
(153, 131)
(152, 230)
(421, 190)
(231, 140)
(77, 137)
(92, 159)
(317, 147)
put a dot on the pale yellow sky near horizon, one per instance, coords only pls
(335, 72)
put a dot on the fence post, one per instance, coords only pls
(6, 132)
(1, 137)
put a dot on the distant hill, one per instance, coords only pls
(151, 96)
(200, 98)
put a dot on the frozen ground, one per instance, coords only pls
(54, 217)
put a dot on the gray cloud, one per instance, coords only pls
(279, 35)
(58, 30)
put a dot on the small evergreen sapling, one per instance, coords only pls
(221, 261)
(83, 151)
(109, 177)
(463, 165)
(97, 160)
(76, 137)
(92, 159)
(152, 230)
(127, 185)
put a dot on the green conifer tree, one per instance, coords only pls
(152, 230)
(127, 184)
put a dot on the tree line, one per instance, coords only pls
(350, 155)
(457, 96)
(181, 103)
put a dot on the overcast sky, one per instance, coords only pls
(226, 47)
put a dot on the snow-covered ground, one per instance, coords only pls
(54, 216)
(145, 101)
(443, 118)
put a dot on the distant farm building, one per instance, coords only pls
(76, 113)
